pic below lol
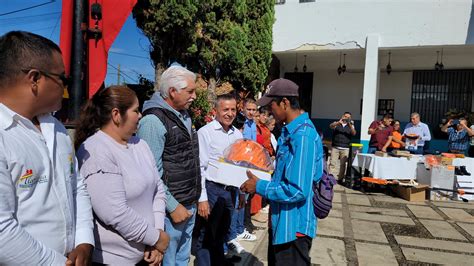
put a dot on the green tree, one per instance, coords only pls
(222, 40)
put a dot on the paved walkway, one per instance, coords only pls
(376, 229)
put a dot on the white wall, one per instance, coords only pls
(400, 23)
(397, 86)
(333, 95)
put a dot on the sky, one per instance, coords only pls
(130, 49)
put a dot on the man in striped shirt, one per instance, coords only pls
(299, 163)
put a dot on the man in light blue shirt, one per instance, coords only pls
(241, 220)
(421, 130)
(299, 163)
(250, 127)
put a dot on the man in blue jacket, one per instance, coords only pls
(299, 163)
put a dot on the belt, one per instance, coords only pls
(224, 187)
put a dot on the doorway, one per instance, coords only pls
(305, 84)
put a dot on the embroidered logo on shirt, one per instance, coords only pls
(28, 174)
(28, 180)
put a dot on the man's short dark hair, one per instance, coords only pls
(387, 116)
(348, 113)
(249, 100)
(22, 50)
(294, 101)
(224, 97)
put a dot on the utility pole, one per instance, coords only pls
(118, 75)
(77, 92)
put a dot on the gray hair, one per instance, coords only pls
(174, 77)
(414, 114)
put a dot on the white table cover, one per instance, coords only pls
(388, 167)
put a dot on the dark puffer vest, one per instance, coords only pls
(181, 172)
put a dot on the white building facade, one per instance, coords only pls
(319, 36)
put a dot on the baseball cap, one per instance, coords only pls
(278, 88)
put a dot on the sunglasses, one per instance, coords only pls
(64, 79)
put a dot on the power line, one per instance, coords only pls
(131, 55)
(40, 29)
(121, 72)
(21, 22)
(27, 8)
(55, 25)
(31, 16)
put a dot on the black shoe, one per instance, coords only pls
(458, 171)
(230, 261)
(251, 228)
(464, 171)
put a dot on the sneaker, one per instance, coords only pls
(247, 236)
(235, 246)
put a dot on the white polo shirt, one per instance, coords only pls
(45, 209)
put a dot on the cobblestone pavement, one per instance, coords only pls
(377, 229)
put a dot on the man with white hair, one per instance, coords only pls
(167, 128)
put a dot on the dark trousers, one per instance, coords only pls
(208, 245)
(471, 151)
(294, 253)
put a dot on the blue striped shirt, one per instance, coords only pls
(299, 162)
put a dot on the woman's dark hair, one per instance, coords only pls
(264, 110)
(395, 121)
(97, 112)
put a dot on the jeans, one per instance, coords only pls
(233, 232)
(239, 220)
(179, 248)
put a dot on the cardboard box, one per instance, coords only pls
(436, 176)
(416, 193)
(233, 175)
(381, 154)
(447, 161)
(435, 195)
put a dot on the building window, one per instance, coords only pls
(307, 1)
(435, 93)
(279, 2)
(386, 106)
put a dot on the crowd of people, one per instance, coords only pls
(136, 186)
(386, 136)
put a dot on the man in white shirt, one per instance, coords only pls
(45, 210)
(217, 200)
